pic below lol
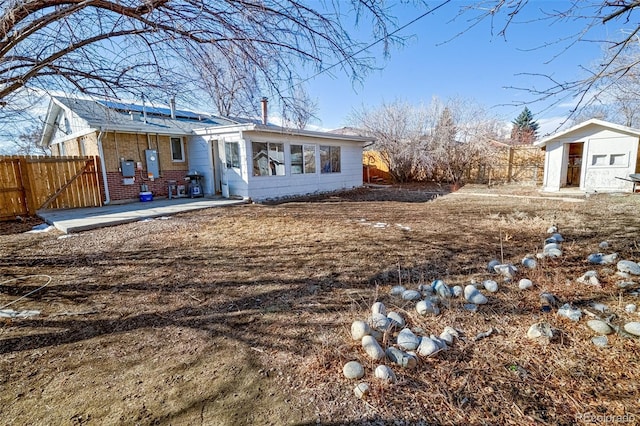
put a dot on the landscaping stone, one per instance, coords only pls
(600, 327)
(401, 358)
(550, 246)
(353, 370)
(372, 348)
(602, 259)
(457, 291)
(379, 322)
(407, 340)
(603, 245)
(540, 331)
(589, 277)
(525, 284)
(385, 373)
(396, 319)
(411, 295)
(529, 262)
(448, 335)
(568, 311)
(427, 347)
(397, 290)
(507, 270)
(492, 264)
(552, 253)
(490, 285)
(629, 267)
(552, 229)
(359, 329)
(425, 289)
(441, 289)
(630, 308)
(379, 308)
(361, 390)
(558, 237)
(471, 294)
(632, 328)
(600, 341)
(425, 307)
(471, 307)
(439, 342)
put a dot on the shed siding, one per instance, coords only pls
(553, 166)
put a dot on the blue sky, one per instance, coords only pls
(476, 65)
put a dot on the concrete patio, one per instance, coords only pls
(76, 220)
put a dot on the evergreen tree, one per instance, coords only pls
(525, 128)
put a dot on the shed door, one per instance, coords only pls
(574, 165)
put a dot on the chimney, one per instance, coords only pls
(172, 106)
(264, 102)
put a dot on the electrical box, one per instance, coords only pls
(153, 165)
(128, 168)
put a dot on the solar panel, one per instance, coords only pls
(164, 112)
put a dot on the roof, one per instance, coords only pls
(584, 124)
(128, 117)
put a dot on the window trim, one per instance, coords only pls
(268, 145)
(183, 157)
(331, 149)
(230, 163)
(305, 148)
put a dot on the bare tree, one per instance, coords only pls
(299, 109)
(109, 47)
(26, 143)
(399, 130)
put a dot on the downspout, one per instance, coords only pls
(107, 196)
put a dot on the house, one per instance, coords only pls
(145, 148)
(594, 156)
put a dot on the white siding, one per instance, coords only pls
(554, 164)
(199, 152)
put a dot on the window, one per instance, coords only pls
(618, 160)
(177, 149)
(268, 159)
(599, 160)
(303, 159)
(330, 159)
(232, 154)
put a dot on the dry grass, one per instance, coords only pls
(241, 315)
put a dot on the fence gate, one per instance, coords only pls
(31, 183)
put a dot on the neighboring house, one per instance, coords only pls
(142, 145)
(592, 156)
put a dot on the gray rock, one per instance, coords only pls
(558, 237)
(600, 307)
(441, 289)
(548, 299)
(353, 370)
(525, 284)
(550, 246)
(385, 373)
(379, 308)
(471, 307)
(377, 335)
(629, 267)
(359, 329)
(529, 262)
(379, 322)
(599, 327)
(457, 291)
(507, 270)
(602, 259)
(492, 264)
(441, 343)
(471, 294)
(603, 245)
(568, 311)
(411, 295)
(552, 253)
(632, 328)
(600, 341)
(407, 340)
(630, 308)
(552, 229)
(401, 358)
(361, 390)
(425, 289)
(425, 307)
(372, 348)
(490, 285)
(397, 290)
(427, 347)
(449, 334)
(540, 331)
(550, 240)
(589, 277)
(396, 319)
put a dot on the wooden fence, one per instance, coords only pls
(518, 164)
(31, 183)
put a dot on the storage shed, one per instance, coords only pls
(594, 156)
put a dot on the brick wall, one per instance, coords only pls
(159, 187)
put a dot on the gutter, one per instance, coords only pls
(107, 196)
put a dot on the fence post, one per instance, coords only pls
(25, 178)
(510, 165)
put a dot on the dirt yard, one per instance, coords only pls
(242, 315)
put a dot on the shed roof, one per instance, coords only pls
(592, 122)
